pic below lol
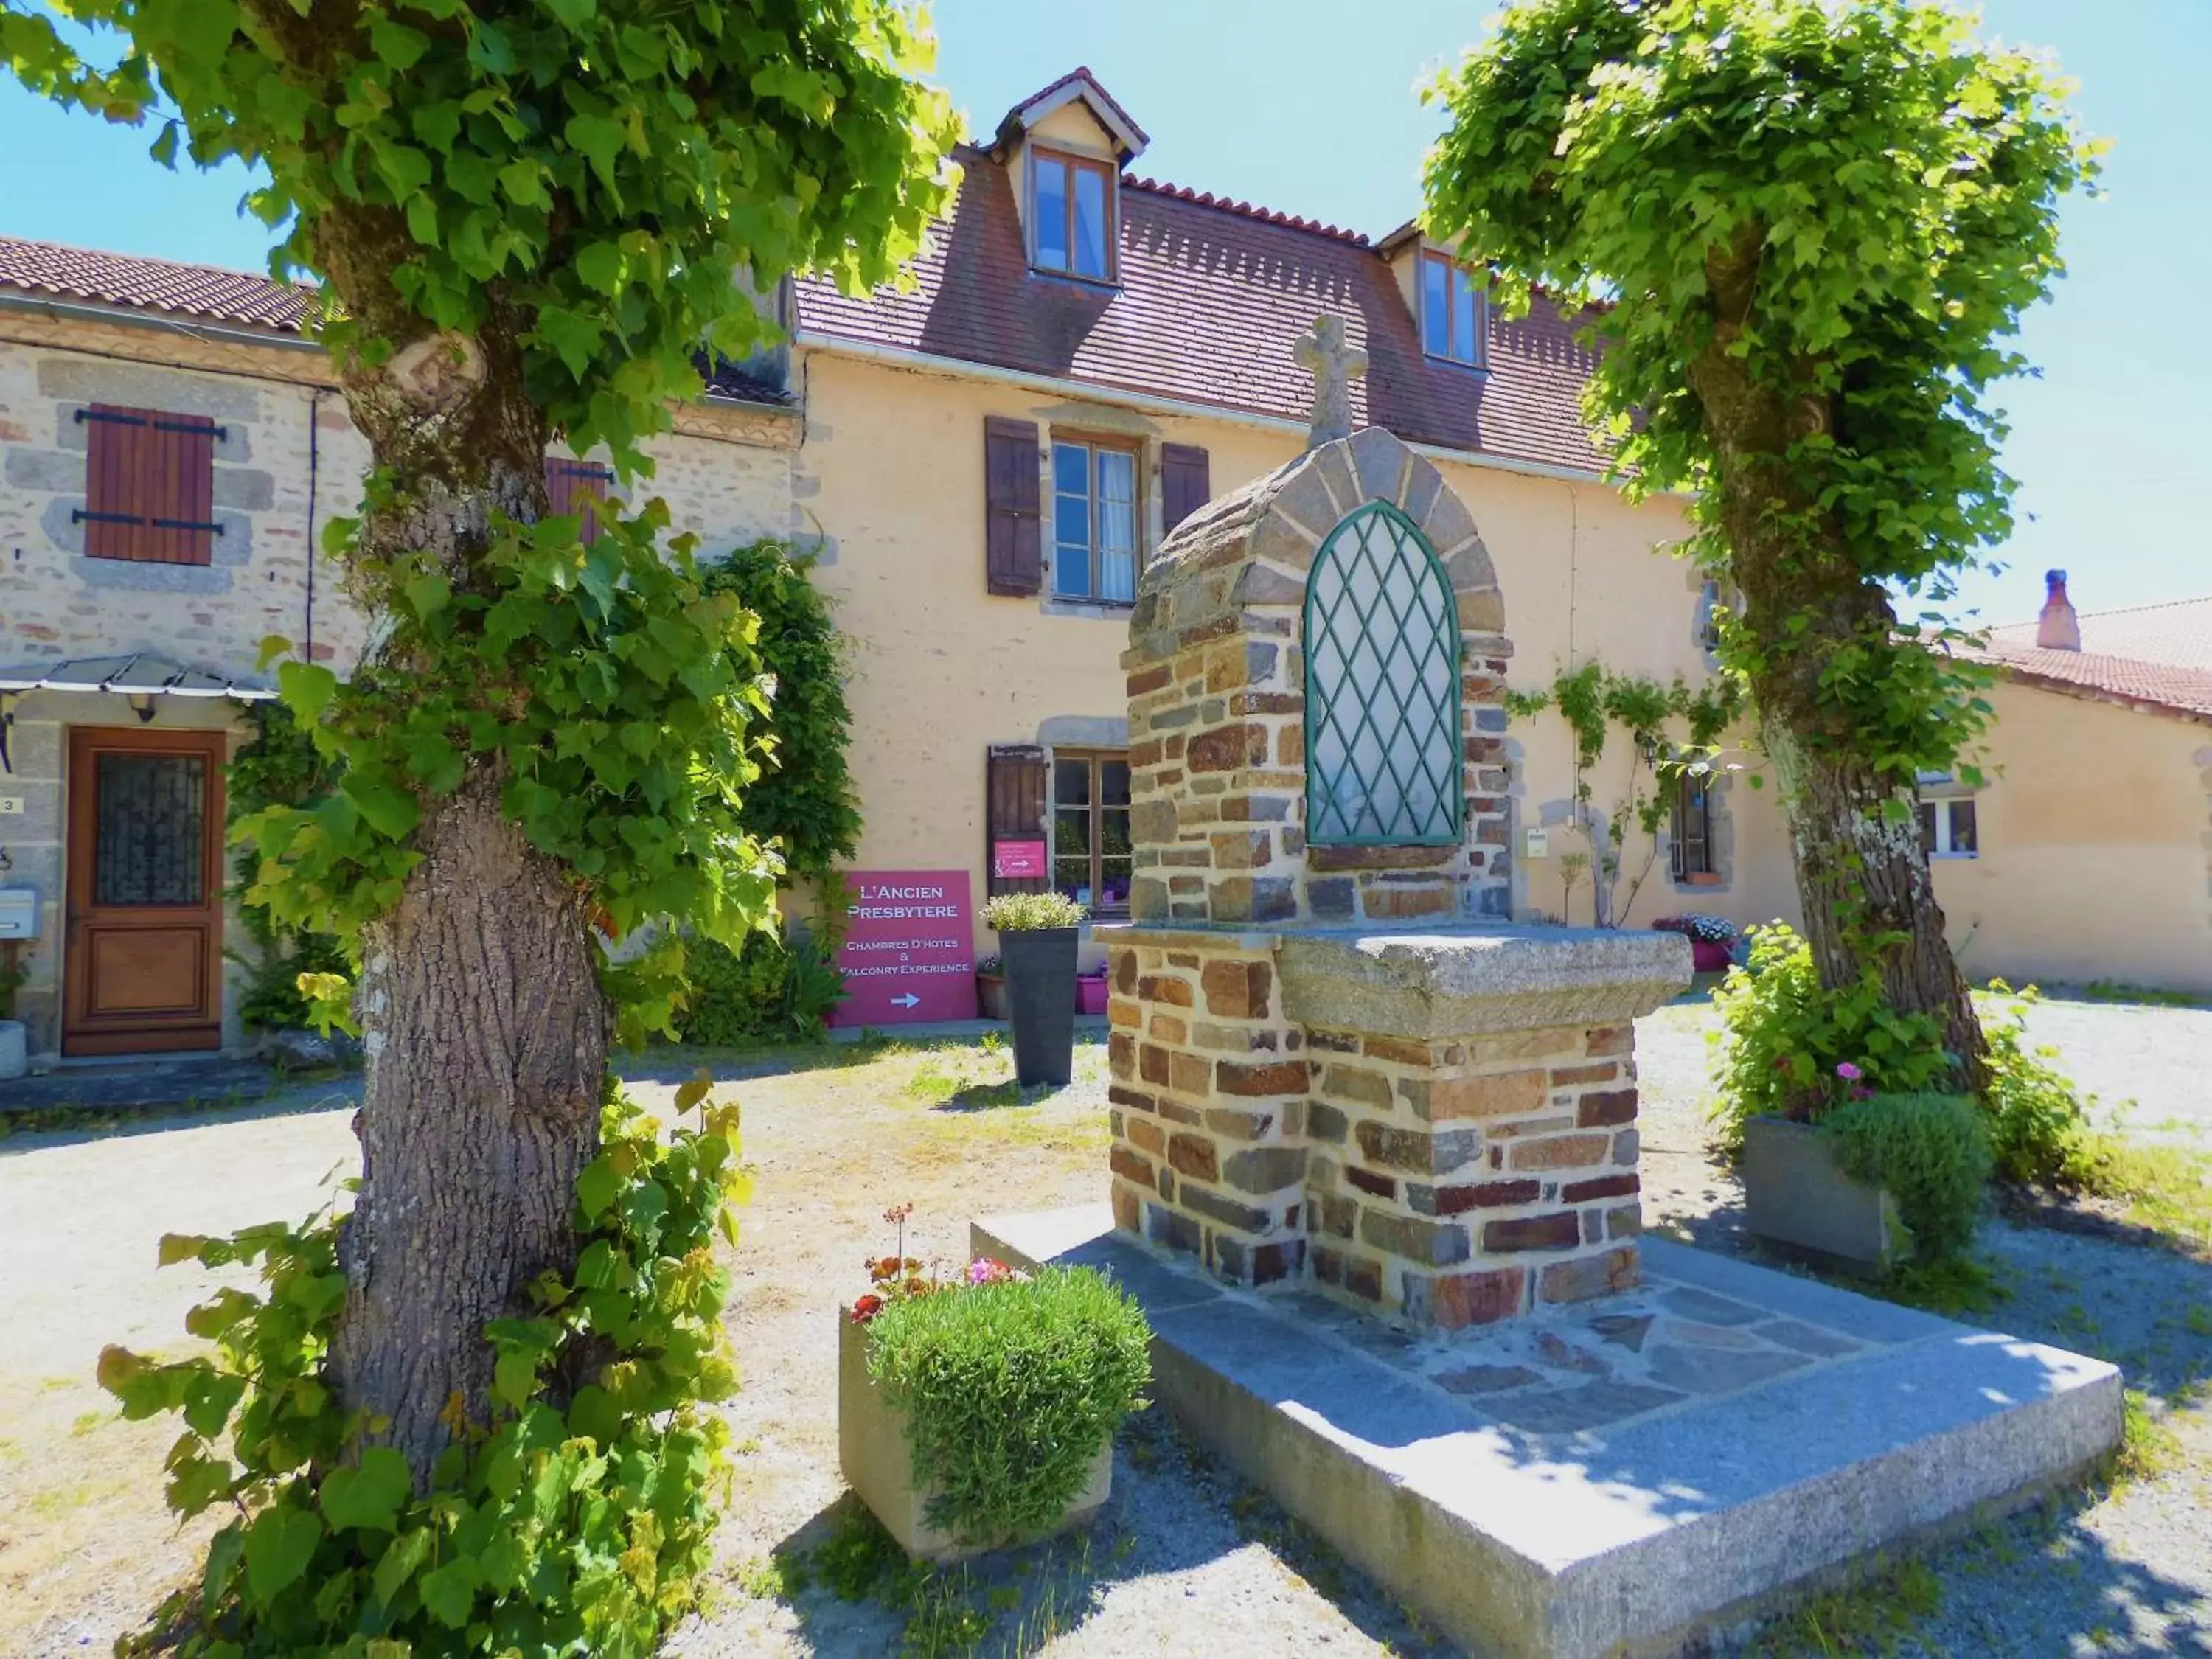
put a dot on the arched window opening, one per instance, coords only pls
(1382, 688)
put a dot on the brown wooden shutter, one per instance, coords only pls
(572, 487)
(1013, 559)
(1014, 793)
(150, 485)
(1185, 483)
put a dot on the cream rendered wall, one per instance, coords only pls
(2093, 849)
(891, 466)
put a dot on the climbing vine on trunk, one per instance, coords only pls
(464, 1416)
(1803, 230)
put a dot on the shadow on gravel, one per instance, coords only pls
(1173, 1512)
(38, 1129)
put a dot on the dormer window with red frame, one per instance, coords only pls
(1072, 215)
(1451, 310)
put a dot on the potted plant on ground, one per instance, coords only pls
(978, 1410)
(991, 987)
(1850, 1154)
(1090, 990)
(1037, 939)
(1712, 939)
(14, 1036)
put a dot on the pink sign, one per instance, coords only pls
(1017, 861)
(909, 949)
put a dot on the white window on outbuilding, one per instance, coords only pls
(1947, 823)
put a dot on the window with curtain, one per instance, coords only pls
(1451, 310)
(1094, 521)
(1692, 839)
(1090, 855)
(1072, 215)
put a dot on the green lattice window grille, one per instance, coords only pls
(1382, 688)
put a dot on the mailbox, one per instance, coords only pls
(18, 913)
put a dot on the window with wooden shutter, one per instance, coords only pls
(1014, 792)
(150, 485)
(1013, 562)
(573, 486)
(1185, 483)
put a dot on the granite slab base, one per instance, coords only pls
(1640, 1476)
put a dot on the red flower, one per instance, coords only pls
(865, 1308)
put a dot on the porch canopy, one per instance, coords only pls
(139, 674)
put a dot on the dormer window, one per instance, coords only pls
(1451, 310)
(1072, 215)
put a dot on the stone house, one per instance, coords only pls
(983, 462)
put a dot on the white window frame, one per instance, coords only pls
(1455, 266)
(1070, 160)
(1942, 804)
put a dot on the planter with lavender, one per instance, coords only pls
(991, 987)
(1712, 940)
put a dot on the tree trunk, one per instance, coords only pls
(1862, 872)
(486, 1029)
(1862, 875)
(487, 1045)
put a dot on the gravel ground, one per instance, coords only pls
(1185, 1558)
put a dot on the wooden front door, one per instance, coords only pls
(143, 958)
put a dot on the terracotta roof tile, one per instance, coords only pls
(2130, 680)
(122, 279)
(2178, 634)
(1212, 299)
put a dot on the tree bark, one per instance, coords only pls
(486, 1029)
(487, 1040)
(1862, 867)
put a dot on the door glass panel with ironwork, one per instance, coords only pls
(1382, 640)
(149, 818)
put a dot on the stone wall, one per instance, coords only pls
(1217, 712)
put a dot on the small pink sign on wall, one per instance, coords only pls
(909, 948)
(1017, 861)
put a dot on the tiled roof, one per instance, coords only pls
(2104, 678)
(123, 279)
(2178, 634)
(1212, 299)
(228, 296)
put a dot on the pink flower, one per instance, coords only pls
(1849, 1072)
(984, 1270)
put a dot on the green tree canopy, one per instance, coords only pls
(1805, 230)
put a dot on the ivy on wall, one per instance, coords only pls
(278, 768)
(1669, 729)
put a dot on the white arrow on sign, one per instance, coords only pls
(910, 1001)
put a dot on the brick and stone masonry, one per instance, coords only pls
(1333, 1065)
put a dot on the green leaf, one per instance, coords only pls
(600, 266)
(597, 1187)
(308, 688)
(180, 1247)
(164, 146)
(279, 1545)
(573, 13)
(405, 1553)
(368, 1497)
(450, 1591)
(396, 44)
(391, 812)
(515, 1377)
(225, 1550)
(599, 138)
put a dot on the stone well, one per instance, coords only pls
(1332, 1059)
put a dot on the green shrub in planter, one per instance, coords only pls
(1032, 913)
(1932, 1154)
(1009, 1390)
(1783, 1036)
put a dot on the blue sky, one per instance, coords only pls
(1308, 107)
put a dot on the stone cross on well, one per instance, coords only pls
(1334, 1061)
(1334, 364)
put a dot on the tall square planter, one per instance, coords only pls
(1797, 1198)
(1040, 994)
(873, 1453)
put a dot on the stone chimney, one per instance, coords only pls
(2055, 630)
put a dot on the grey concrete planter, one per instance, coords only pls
(1797, 1198)
(991, 995)
(871, 1451)
(15, 1049)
